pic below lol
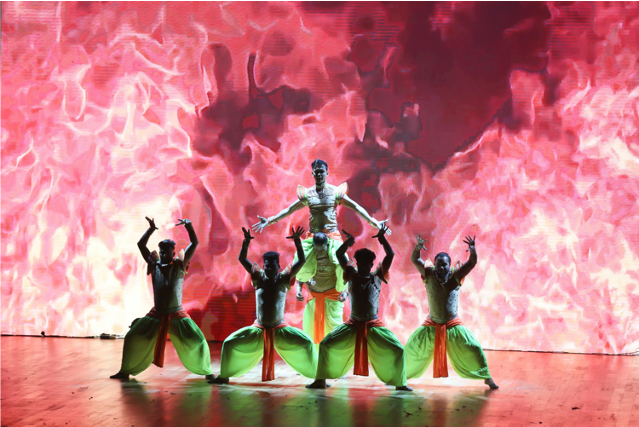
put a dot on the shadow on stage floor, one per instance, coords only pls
(65, 382)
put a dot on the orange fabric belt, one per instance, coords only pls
(361, 343)
(320, 308)
(440, 365)
(268, 363)
(165, 321)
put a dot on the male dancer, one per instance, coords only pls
(324, 311)
(146, 340)
(322, 201)
(363, 331)
(443, 333)
(244, 348)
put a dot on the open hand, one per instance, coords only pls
(151, 223)
(382, 224)
(247, 235)
(296, 233)
(259, 226)
(470, 242)
(383, 230)
(183, 221)
(350, 239)
(420, 240)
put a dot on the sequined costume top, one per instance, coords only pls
(323, 214)
(270, 295)
(443, 298)
(364, 292)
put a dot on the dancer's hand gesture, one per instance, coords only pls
(259, 226)
(382, 231)
(350, 239)
(296, 233)
(420, 241)
(151, 223)
(247, 235)
(470, 242)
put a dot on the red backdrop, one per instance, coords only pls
(513, 122)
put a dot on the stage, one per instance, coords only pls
(65, 382)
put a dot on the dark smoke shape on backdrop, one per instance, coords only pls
(516, 122)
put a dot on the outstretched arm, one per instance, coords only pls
(301, 258)
(388, 259)
(415, 256)
(472, 259)
(190, 250)
(351, 204)
(265, 222)
(145, 239)
(248, 266)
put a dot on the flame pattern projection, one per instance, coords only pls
(214, 111)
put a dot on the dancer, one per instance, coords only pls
(244, 348)
(443, 333)
(146, 340)
(325, 310)
(322, 201)
(349, 344)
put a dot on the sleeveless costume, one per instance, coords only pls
(244, 348)
(323, 312)
(363, 336)
(146, 340)
(443, 334)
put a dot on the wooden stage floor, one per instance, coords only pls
(65, 382)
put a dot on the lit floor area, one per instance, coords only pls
(65, 382)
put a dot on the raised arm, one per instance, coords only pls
(341, 251)
(388, 259)
(190, 250)
(472, 259)
(301, 258)
(248, 266)
(265, 222)
(145, 239)
(351, 204)
(415, 256)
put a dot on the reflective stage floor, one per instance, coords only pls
(65, 382)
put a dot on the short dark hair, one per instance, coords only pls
(320, 238)
(167, 244)
(364, 255)
(319, 162)
(442, 255)
(272, 256)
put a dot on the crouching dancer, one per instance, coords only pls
(146, 340)
(363, 336)
(443, 333)
(244, 348)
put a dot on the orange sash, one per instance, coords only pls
(320, 309)
(165, 321)
(268, 362)
(330, 234)
(361, 343)
(440, 365)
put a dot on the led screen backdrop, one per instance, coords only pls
(513, 122)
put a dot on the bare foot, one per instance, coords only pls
(403, 388)
(120, 376)
(318, 384)
(209, 377)
(218, 380)
(490, 383)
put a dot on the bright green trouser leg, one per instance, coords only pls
(464, 352)
(244, 348)
(333, 316)
(385, 352)
(187, 338)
